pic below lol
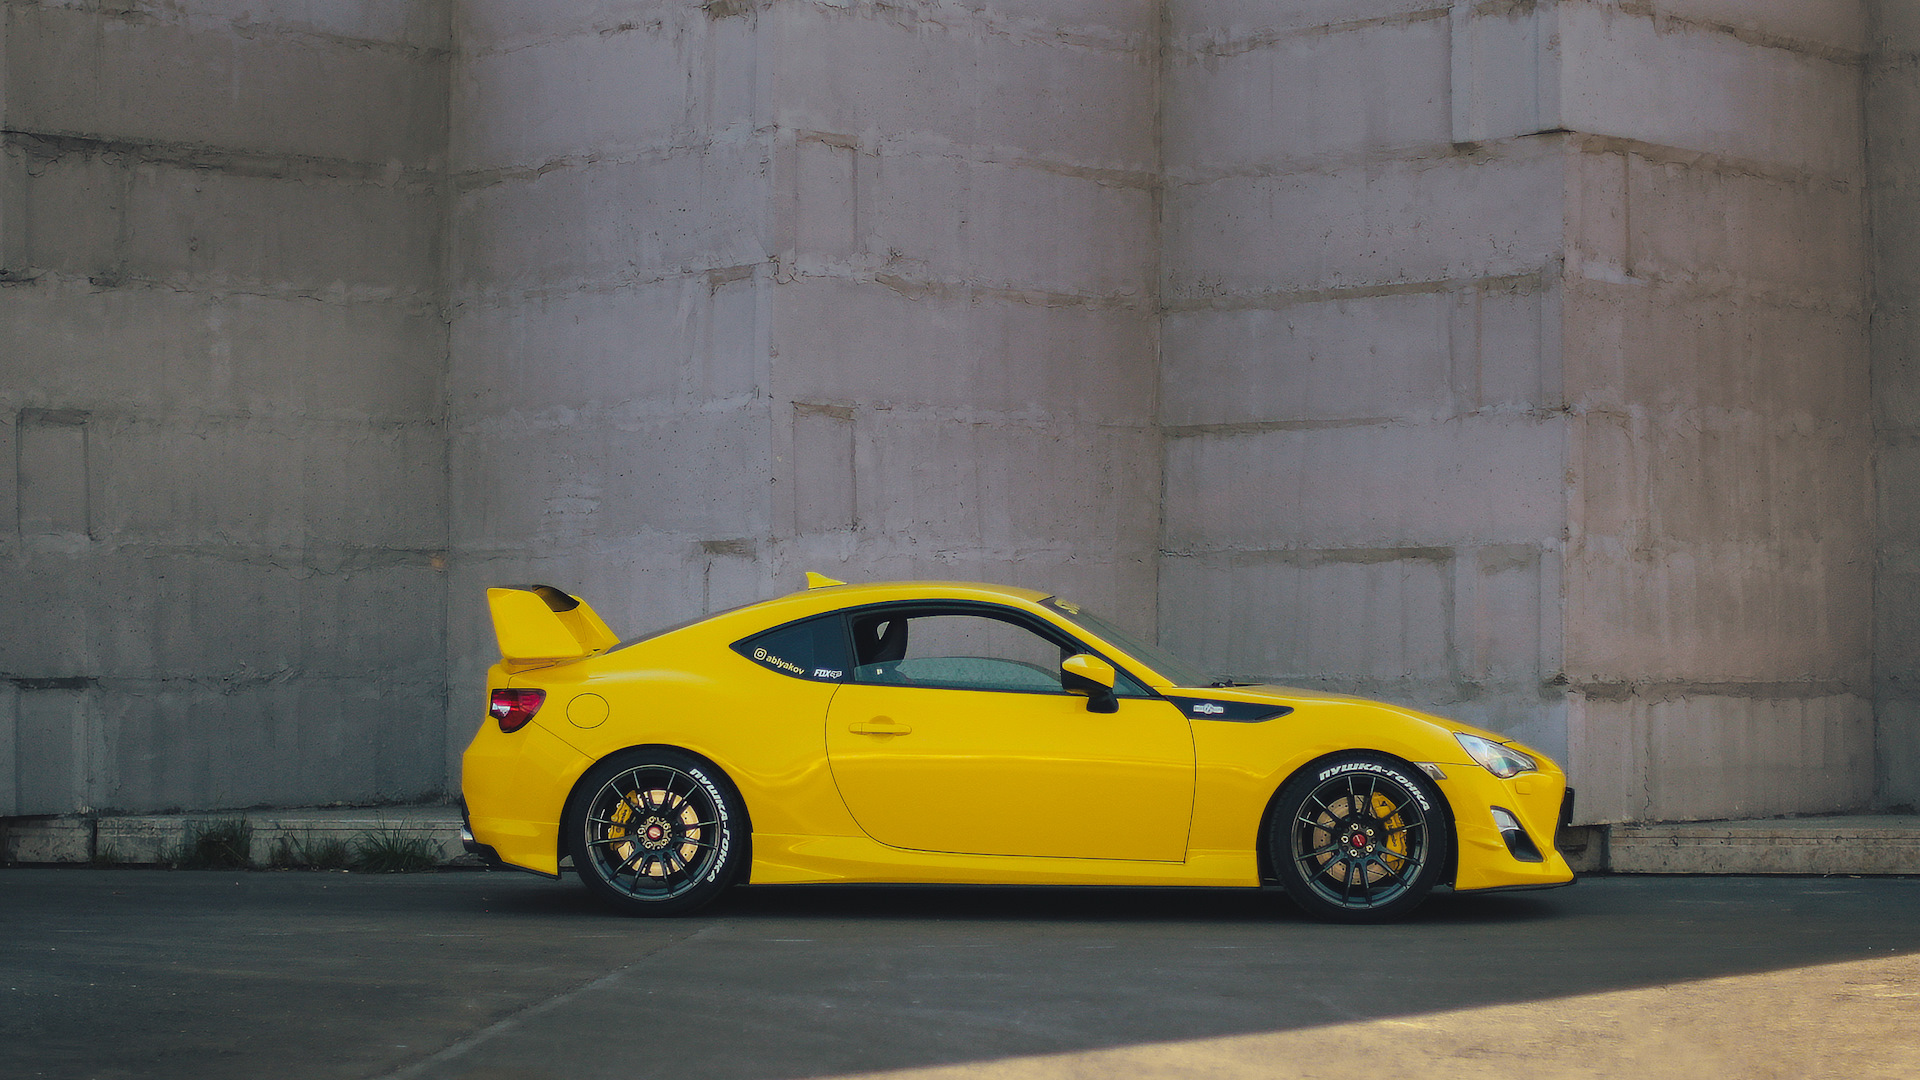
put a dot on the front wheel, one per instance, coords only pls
(655, 831)
(1359, 838)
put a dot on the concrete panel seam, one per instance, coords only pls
(917, 15)
(414, 303)
(1719, 164)
(253, 27)
(1721, 285)
(919, 145)
(1667, 22)
(313, 558)
(230, 683)
(1422, 155)
(983, 21)
(1275, 300)
(466, 181)
(712, 276)
(1313, 556)
(923, 145)
(1202, 47)
(1262, 427)
(973, 291)
(262, 165)
(1657, 690)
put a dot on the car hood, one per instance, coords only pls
(1244, 701)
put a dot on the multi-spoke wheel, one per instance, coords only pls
(655, 831)
(1359, 838)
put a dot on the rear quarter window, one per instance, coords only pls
(815, 650)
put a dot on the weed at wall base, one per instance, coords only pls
(306, 853)
(215, 845)
(393, 851)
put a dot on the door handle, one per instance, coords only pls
(879, 725)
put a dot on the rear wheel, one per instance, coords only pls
(655, 831)
(1359, 838)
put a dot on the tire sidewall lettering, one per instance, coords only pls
(726, 833)
(1418, 791)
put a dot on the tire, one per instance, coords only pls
(1359, 837)
(656, 831)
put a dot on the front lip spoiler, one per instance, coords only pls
(1530, 887)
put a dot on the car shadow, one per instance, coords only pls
(1001, 903)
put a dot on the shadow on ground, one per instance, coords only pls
(210, 974)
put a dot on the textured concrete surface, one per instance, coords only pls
(1864, 844)
(1545, 365)
(275, 836)
(1532, 397)
(1365, 464)
(1893, 156)
(222, 355)
(211, 975)
(720, 318)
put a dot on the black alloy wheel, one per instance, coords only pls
(655, 831)
(1359, 838)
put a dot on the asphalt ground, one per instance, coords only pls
(111, 973)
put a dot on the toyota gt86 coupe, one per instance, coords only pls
(942, 732)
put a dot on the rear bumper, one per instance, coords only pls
(514, 786)
(486, 852)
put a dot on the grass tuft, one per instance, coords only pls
(392, 850)
(215, 845)
(306, 853)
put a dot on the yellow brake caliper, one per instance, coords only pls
(1395, 840)
(622, 814)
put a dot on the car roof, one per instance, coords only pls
(821, 599)
(881, 591)
(824, 598)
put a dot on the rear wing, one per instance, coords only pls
(541, 624)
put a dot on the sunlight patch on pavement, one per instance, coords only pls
(1859, 1020)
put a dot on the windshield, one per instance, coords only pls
(1181, 672)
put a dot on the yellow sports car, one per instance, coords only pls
(943, 732)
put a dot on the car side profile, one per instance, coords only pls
(951, 732)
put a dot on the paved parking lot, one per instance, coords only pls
(147, 973)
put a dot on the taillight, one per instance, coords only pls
(513, 708)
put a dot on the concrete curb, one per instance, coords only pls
(277, 837)
(1854, 844)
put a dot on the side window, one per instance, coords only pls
(815, 650)
(959, 651)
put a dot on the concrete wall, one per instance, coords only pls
(1360, 370)
(1515, 366)
(609, 233)
(1507, 359)
(745, 290)
(223, 522)
(1893, 154)
(1719, 571)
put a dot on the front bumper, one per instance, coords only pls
(1532, 806)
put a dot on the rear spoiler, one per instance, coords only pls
(541, 624)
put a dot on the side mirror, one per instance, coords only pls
(1092, 676)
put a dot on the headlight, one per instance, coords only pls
(1501, 761)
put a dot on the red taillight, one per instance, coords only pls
(513, 708)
